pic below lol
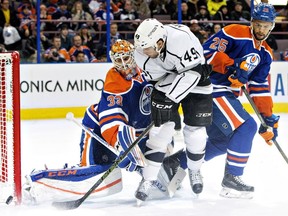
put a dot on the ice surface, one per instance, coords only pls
(55, 142)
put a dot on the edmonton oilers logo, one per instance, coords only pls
(145, 100)
(252, 60)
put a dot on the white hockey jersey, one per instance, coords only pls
(173, 68)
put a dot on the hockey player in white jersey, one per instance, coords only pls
(171, 58)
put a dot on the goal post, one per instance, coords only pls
(10, 146)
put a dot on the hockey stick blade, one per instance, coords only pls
(263, 123)
(73, 204)
(176, 181)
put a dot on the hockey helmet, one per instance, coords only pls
(264, 12)
(148, 33)
(122, 56)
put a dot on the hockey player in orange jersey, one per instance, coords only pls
(240, 55)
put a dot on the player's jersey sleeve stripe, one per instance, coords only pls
(114, 111)
(108, 119)
(92, 110)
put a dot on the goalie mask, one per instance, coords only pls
(263, 16)
(122, 56)
(148, 33)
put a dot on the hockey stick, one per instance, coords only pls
(263, 123)
(141, 160)
(66, 205)
(70, 117)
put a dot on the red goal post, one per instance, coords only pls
(10, 147)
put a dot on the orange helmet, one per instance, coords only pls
(122, 56)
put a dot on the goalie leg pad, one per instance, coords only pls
(58, 185)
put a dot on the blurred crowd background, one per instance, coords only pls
(76, 31)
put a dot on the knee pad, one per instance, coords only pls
(195, 138)
(160, 137)
(156, 145)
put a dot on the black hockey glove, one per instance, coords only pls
(161, 108)
(204, 70)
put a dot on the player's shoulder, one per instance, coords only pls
(179, 38)
(267, 48)
(115, 83)
(140, 58)
(237, 31)
(175, 31)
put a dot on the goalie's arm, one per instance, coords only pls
(116, 131)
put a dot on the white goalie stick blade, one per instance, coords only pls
(139, 156)
(231, 193)
(176, 181)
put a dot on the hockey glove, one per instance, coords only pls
(240, 75)
(204, 70)
(161, 108)
(271, 132)
(126, 136)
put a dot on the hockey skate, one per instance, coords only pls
(27, 192)
(195, 181)
(234, 187)
(144, 189)
(171, 174)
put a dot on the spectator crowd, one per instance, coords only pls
(75, 31)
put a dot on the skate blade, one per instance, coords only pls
(139, 202)
(176, 181)
(194, 195)
(231, 193)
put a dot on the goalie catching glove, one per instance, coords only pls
(135, 158)
(271, 132)
(161, 108)
(240, 74)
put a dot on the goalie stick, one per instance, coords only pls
(73, 204)
(263, 123)
(70, 116)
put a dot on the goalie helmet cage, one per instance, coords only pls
(10, 148)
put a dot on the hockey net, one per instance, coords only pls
(10, 158)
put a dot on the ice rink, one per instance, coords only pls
(56, 142)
